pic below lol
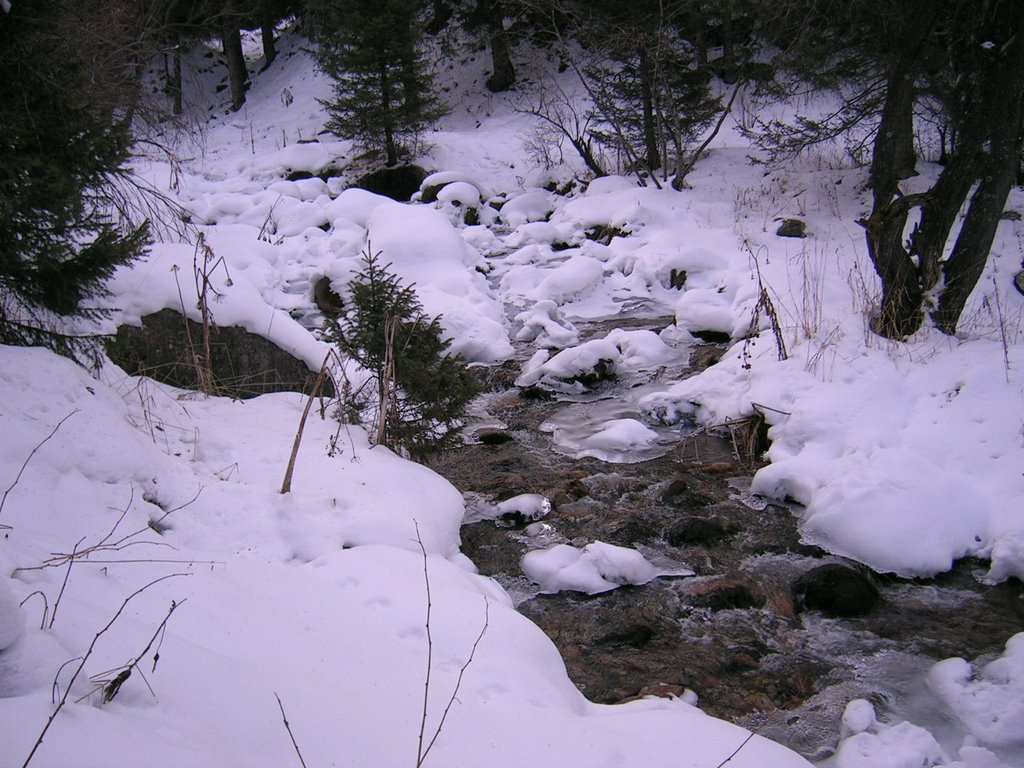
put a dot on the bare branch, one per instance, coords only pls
(83, 659)
(30, 455)
(288, 728)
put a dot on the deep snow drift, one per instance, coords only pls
(904, 456)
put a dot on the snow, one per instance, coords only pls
(598, 567)
(990, 700)
(903, 455)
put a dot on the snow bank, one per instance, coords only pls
(317, 597)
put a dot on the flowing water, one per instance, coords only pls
(732, 632)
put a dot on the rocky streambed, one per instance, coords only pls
(768, 632)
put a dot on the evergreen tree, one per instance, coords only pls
(421, 390)
(382, 90)
(60, 154)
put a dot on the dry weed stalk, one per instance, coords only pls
(421, 751)
(110, 681)
(288, 728)
(322, 378)
(85, 658)
(108, 544)
(28, 458)
(767, 306)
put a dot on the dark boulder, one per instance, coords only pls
(399, 183)
(835, 590)
(792, 228)
(326, 298)
(242, 364)
(493, 436)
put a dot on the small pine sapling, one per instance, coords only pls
(421, 389)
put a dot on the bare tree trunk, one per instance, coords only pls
(503, 75)
(387, 116)
(231, 38)
(902, 292)
(653, 157)
(267, 34)
(174, 78)
(1004, 90)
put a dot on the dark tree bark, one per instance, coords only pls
(1003, 90)
(267, 24)
(990, 110)
(174, 78)
(503, 75)
(231, 39)
(902, 292)
(653, 156)
(387, 112)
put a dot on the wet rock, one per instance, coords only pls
(534, 392)
(724, 594)
(835, 590)
(494, 436)
(712, 337)
(634, 636)
(633, 530)
(679, 493)
(792, 228)
(706, 355)
(603, 371)
(612, 486)
(698, 530)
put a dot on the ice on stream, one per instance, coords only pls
(610, 431)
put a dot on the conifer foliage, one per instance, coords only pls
(59, 155)
(421, 390)
(383, 95)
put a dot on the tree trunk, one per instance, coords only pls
(652, 158)
(503, 75)
(174, 78)
(267, 34)
(892, 160)
(1003, 95)
(231, 38)
(388, 117)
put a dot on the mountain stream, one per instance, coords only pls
(736, 632)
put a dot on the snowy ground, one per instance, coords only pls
(904, 456)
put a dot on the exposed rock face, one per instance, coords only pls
(242, 364)
(792, 228)
(835, 590)
(399, 183)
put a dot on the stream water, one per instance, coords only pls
(732, 633)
